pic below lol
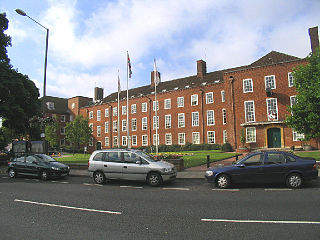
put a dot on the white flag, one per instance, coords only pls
(156, 74)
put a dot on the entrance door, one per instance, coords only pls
(274, 138)
(98, 146)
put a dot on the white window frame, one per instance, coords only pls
(155, 122)
(224, 116)
(124, 110)
(225, 136)
(210, 118)
(251, 135)
(98, 115)
(196, 138)
(134, 124)
(115, 111)
(168, 139)
(293, 100)
(115, 126)
(194, 100)
(115, 141)
(154, 105)
(167, 121)
(91, 115)
(250, 115)
(144, 107)
(124, 141)
(267, 79)
(211, 137)
(145, 141)
(63, 118)
(223, 96)
(134, 140)
(195, 119)
(181, 138)
(272, 113)
(180, 102)
(290, 80)
(98, 131)
(106, 112)
(167, 103)
(247, 85)
(124, 125)
(181, 120)
(297, 136)
(144, 123)
(106, 141)
(156, 138)
(91, 126)
(63, 130)
(106, 127)
(133, 108)
(209, 98)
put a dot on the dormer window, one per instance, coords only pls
(50, 105)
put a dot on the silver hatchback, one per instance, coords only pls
(129, 165)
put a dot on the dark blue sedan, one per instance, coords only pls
(265, 167)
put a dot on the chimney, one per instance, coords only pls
(314, 38)
(201, 68)
(98, 94)
(152, 78)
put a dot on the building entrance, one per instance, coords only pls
(98, 146)
(274, 138)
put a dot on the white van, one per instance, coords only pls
(129, 164)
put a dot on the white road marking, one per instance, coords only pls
(54, 181)
(68, 207)
(179, 189)
(64, 182)
(226, 190)
(130, 187)
(277, 189)
(5, 177)
(91, 184)
(258, 221)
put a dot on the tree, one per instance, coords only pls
(51, 133)
(78, 131)
(19, 96)
(305, 116)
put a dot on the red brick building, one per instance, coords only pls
(211, 108)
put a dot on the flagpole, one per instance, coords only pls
(155, 98)
(128, 135)
(118, 110)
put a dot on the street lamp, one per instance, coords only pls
(22, 13)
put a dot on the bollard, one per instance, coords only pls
(237, 157)
(208, 161)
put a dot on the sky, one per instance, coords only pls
(89, 39)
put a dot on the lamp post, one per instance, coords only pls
(22, 13)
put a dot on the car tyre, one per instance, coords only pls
(294, 180)
(44, 175)
(223, 181)
(99, 177)
(154, 179)
(12, 173)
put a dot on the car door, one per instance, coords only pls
(113, 165)
(275, 167)
(19, 164)
(32, 165)
(134, 167)
(250, 169)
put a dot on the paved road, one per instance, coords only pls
(76, 208)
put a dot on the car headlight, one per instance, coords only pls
(55, 168)
(166, 170)
(209, 173)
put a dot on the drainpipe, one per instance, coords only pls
(111, 125)
(233, 112)
(150, 119)
(202, 115)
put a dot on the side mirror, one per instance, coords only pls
(35, 162)
(139, 162)
(240, 165)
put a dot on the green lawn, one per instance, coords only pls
(314, 154)
(191, 159)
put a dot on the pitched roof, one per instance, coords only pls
(192, 81)
(60, 104)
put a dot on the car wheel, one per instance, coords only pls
(294, 180)
(44, 175)
(99, 177)
(223, 181)
(12, 173)
(154, 179)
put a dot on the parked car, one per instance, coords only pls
(130, 165)
(40, 165)
(265, 167)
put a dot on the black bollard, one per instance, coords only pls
(208, 161)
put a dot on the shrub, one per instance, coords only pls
(226, 147)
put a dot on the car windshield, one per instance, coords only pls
(44, 158)
(145, 156)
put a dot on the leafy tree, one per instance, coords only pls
(51, 133)
(78, 131)
(19, 97)
(305, 116)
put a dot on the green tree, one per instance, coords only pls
(305, 116)
(19, 97)
(50, 131)
(78, 131)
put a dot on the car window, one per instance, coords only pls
(276, 158)
(130, 157)
(253, 160)
(290, 159)
(98, 157)
(19, 159)
(31, 159)
(114, 157)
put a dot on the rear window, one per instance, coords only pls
(98, 156)
(276, 158)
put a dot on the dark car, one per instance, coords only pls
(40, 165)
(265, 167)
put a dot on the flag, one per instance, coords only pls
(156, 74)
(119, 86)
(129, 66)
